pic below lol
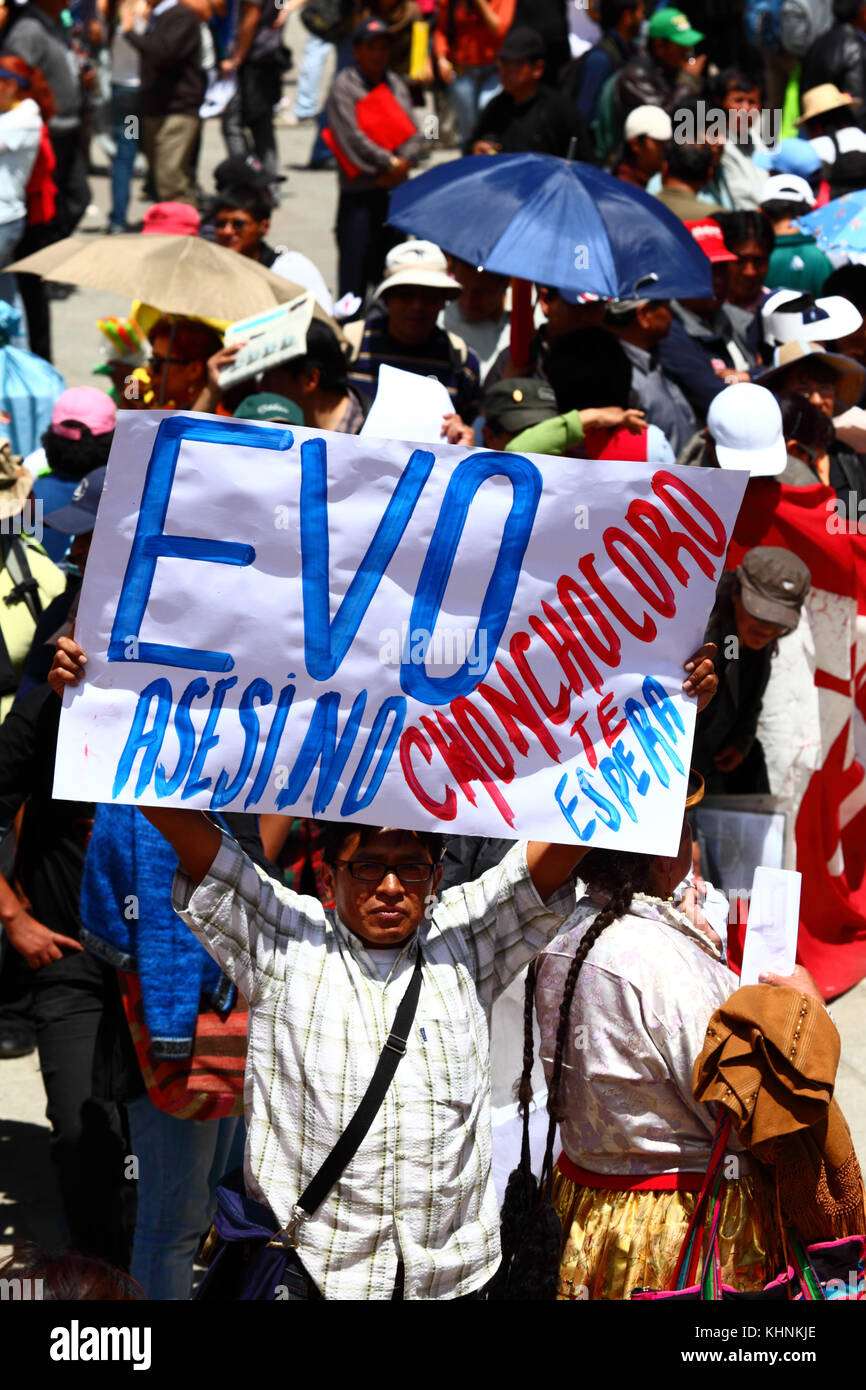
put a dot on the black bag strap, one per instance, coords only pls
(353, 1135)
(25, 588)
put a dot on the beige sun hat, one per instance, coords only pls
(418, 263)
(850, 376)
(819, 100)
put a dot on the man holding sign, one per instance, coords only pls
(414, 1214)
(245, 651)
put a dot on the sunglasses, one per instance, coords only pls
(374, 870)
(237, 224)
(157, 363)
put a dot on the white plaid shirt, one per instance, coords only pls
(420, 1186)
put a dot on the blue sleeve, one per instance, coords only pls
(685, 362)
(597, 69)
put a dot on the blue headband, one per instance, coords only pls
(14, 76)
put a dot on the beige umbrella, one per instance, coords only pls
(181, 275)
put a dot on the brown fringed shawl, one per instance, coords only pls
(770, 1056)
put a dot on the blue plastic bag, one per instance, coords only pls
(29, 386)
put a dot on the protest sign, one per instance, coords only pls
(288, 620)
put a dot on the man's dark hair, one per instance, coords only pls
(850, 282)
(845, 10)
(740, 227)
(691, 163)
(613, 10)
(732, 79)
(76, 457)
(247, 198)
(588, 368)
(784, 207)
(191, 339)
(336, 833)
(323, 351)
(804, 422)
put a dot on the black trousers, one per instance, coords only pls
(363, 240)
(73, 190)
(88, 1144)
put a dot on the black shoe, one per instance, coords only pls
(16, 1040)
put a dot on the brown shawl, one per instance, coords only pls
(770, 1056)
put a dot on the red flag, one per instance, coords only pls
(812, 725)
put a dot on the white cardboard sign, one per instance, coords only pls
(288, 620)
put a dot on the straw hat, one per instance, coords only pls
(850, 376)
(15, 482)
(819, 100)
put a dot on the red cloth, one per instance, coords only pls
(41, 190)
(830, 818)
(618, 1182)
(620, 444)
(382, 119)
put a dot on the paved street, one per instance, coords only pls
(304, 222)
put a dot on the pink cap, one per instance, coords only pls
(171, 219)
(83, 405)
(708, 235)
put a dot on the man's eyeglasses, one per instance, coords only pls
(237, 224)
(373, 870)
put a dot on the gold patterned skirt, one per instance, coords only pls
(615, 1242)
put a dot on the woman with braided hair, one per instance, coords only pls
(623, 998)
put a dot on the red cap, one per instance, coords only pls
(708, 235)
(178, 219)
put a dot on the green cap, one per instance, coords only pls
(674, 26)
(267, 406)
(516, 404)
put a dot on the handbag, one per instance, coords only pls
(209, 1083)
(254, 1256)
(530, 1231)
(828, 1270)
(329, 20)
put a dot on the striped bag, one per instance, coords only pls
(834, 1269)
(208, 1084)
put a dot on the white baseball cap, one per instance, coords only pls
(789, 315)
(746, 425)
(418, 263)
(648, 120)
(788, 187)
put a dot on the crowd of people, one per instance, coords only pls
(291, 945)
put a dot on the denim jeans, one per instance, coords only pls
(469, 94)
(307, 103)
(180, 1163)
(124, 107)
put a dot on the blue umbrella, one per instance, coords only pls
(564, 224)
(840, 225)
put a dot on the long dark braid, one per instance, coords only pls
(530, 1229)
(620, 875)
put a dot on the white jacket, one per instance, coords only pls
(19, 144)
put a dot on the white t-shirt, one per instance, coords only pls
(20, 129)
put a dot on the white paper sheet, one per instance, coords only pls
(407, 406)
(774, 919)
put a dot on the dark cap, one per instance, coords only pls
(79, 514)
(265, 405)
(773, 585)
(520, 402)
(371, 29)
(521, 45)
